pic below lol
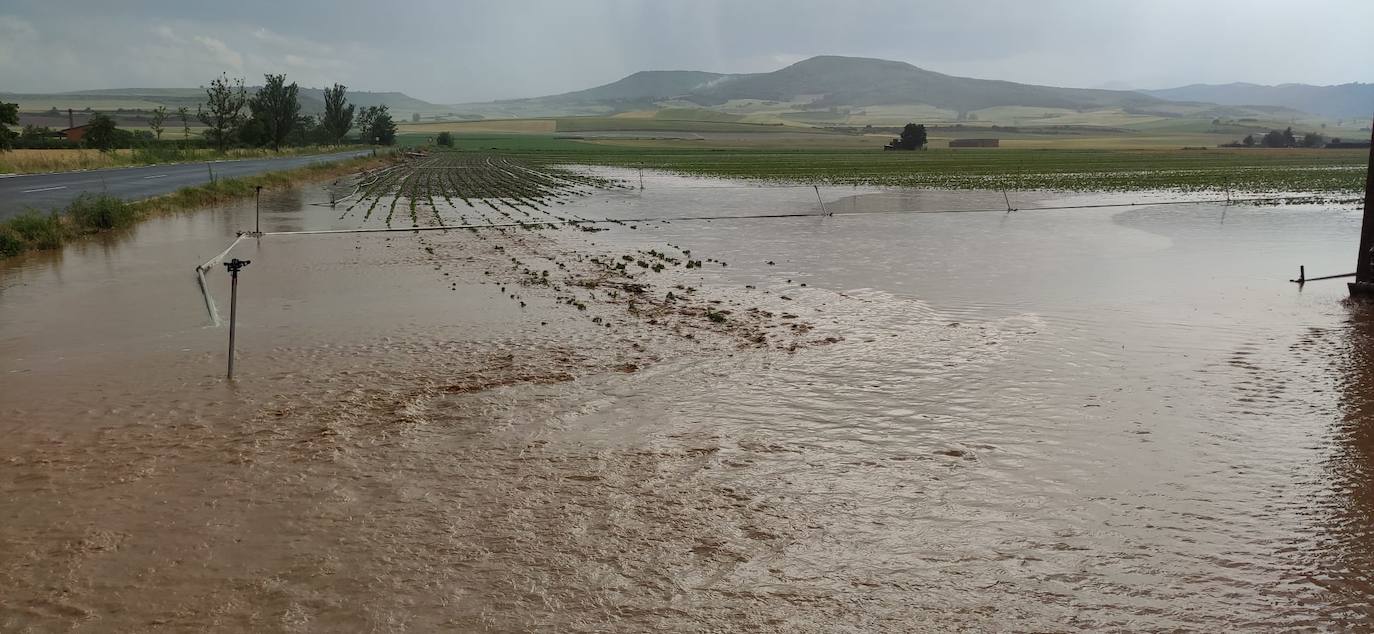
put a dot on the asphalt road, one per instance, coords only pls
(44, 192)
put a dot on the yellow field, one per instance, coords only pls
(39, 161)
(515, 126)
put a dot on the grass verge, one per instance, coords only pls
(96, 213)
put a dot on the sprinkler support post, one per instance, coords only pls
(257, 213)
(233, 266)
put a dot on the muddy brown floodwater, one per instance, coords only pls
(1076, 420)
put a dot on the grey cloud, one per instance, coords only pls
(489, 49)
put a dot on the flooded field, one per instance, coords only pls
(1059, 420)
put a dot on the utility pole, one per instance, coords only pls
(233, 265)
(257, 212)
(1363, 286)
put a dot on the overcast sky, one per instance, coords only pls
(473, 50)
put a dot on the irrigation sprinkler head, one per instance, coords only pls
(235, 264)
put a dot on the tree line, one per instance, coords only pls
(272, 117)
(269, 118)
(1285, 138)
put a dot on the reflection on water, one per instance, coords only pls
(1117, 419)
(1349, 528)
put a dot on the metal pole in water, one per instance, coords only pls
(819, 200)
(211, 171)
(641, 176)
(1364, 267)
(257, 212)
(233, 265)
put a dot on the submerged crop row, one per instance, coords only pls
(1287, 170)
(517, 191)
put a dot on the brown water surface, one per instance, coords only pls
(1108, 419)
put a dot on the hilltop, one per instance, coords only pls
(1344, 101)
(818, 83)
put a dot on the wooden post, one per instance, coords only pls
(1363, 285)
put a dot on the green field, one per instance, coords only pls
(1254, 170)
(630, 124)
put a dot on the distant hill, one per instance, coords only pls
(1345, 101)
(312, 100)
(646, 84)
(816, 83)
(856, 81)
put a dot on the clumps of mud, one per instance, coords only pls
(423, 486)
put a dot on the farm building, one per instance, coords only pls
(76, 133)
(974, 143)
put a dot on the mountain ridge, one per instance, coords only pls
(1341, 101)
(832, 80)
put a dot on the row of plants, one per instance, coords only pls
(528, 247)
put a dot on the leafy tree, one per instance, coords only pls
(101, 133)
(1248, 141)
(913, 138)
(1312, 139)
(1288, 139)
(364, 123)
(306, 128)
(415, 117)
(1274, 138)
(9, 115)
(445, 139)
(184, 114)
(253, 132)
(159, 116)
(338, 113)
(377, 126)
(276, 107)
(36, 132)
(223, 110)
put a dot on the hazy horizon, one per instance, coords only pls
(481, 51)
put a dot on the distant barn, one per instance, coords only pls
(75, 133)
(973, 143)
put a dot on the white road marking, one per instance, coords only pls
(157, 176)
(43, 189)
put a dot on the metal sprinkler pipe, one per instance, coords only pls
(233, 266)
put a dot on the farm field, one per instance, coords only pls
(513, 192)
(1330, 171)
(415, 407)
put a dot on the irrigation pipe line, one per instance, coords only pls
(214, 314)
(546, 223)
(205, 288)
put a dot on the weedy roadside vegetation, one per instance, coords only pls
(92, 214)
